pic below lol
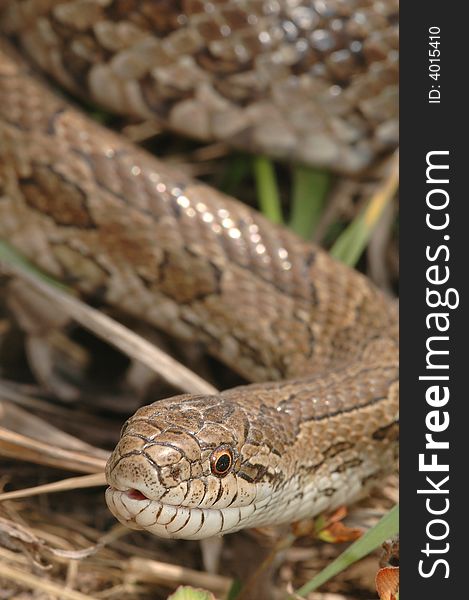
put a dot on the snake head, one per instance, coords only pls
(183, 468)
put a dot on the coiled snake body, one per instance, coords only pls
(89, 207)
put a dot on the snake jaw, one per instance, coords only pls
(168, 521)
(136, 511)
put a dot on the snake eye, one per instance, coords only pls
(221, 461)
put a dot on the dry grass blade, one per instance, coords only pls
(325, 596)
(152, 571)
(377, 249)
(20, 447)
(16, 419)
(71, 483)
(114, 333)
(44, 444)
(384, 194)
(36, 583)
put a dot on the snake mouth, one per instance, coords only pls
(136, 494)
(136, 511)
(128, 504)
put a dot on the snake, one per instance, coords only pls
(318, 424)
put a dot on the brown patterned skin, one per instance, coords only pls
(97, 212)
(314, 81)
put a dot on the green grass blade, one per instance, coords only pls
(10, 256)
(190, 593)
(309, 193)
(238, 168)
(387, 527)
(234, 590)
(351, 243)
(267, 189)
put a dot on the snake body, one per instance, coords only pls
(94, 210)
(315, 81)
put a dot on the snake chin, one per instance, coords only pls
(134, 510)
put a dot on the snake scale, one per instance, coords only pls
(320, 343)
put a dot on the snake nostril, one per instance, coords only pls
(136, 495)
